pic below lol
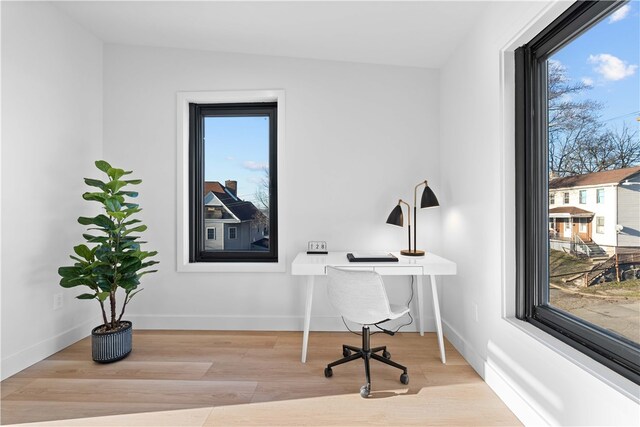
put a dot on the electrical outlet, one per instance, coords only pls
(475, 312)
(58, 301)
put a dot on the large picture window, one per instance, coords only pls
(232, 182)
(576, 107)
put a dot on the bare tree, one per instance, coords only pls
(626, 147)
(578, 141)
(262, 192)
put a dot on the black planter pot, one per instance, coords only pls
(107, 347)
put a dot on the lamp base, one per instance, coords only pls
(412, 252)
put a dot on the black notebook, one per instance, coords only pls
(371, 257)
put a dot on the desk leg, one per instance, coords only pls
(307, 318)
(420, 304)
(436, 311)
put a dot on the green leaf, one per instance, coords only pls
(83, 251)
(130, 266)
(128, 193)
(149, 263)
(115, 186)
(104, 284)
(115, 173)
(70, 272)
(95, 183)
(100, 220)
(146, 272)
(144, 255)
(75, 258)
(134, 181)
(117, 215)
(103, 295)
(129, 283)
(133, 221)
(139, 228)
(98, 197)
(95, 239)
(102, 165)
(86, 296)
(130, 294)
(112, 204)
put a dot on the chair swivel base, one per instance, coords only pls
(366, 353)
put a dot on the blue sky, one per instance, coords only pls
(236, 148)
(607, 57)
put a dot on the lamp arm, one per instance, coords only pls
(415, 213)
(409, 223)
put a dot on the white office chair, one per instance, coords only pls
(360, 297)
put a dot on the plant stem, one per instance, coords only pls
(126, 300)
(112, 300)
(104, 313)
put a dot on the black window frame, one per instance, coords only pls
(197, 113)
(532, 195)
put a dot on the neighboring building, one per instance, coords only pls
(601, 207)
(231, 223)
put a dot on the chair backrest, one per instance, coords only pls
(359, 296)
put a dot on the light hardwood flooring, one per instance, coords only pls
(215, 378)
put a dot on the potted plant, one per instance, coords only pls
(111, 260)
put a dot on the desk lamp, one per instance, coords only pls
(428, 200)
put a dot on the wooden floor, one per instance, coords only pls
(196, 378)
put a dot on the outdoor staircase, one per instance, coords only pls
(607, 269)
(596, 252)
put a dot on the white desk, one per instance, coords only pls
(429, 265)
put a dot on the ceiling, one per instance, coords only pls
(420, 34)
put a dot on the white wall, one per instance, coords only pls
(537, 382)
(358, 137)
(51, 134)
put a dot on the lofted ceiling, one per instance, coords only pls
(416, 33)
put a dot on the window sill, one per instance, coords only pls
(601, 372)
(232, 267)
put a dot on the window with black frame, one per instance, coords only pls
(577, 117)
(232, 182)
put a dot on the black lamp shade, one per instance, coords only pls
(429, 199)
(396, 217)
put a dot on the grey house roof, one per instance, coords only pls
(244, 211)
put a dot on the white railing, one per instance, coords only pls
(579, 246)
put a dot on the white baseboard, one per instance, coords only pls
(510, 396)
(464, 348)
(16, 362)
(494, 379)
(247, 323)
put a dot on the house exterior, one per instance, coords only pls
(231, 223)
(601, 207)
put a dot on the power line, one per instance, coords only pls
(621, 116)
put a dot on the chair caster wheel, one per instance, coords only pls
(386, 354)
(364, 391)
(404, 378)
(346, 352)
(328, 372)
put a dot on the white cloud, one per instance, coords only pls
(254, 166)
(611, 67)
(588, 81)
(231, 158)
(620, 14)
